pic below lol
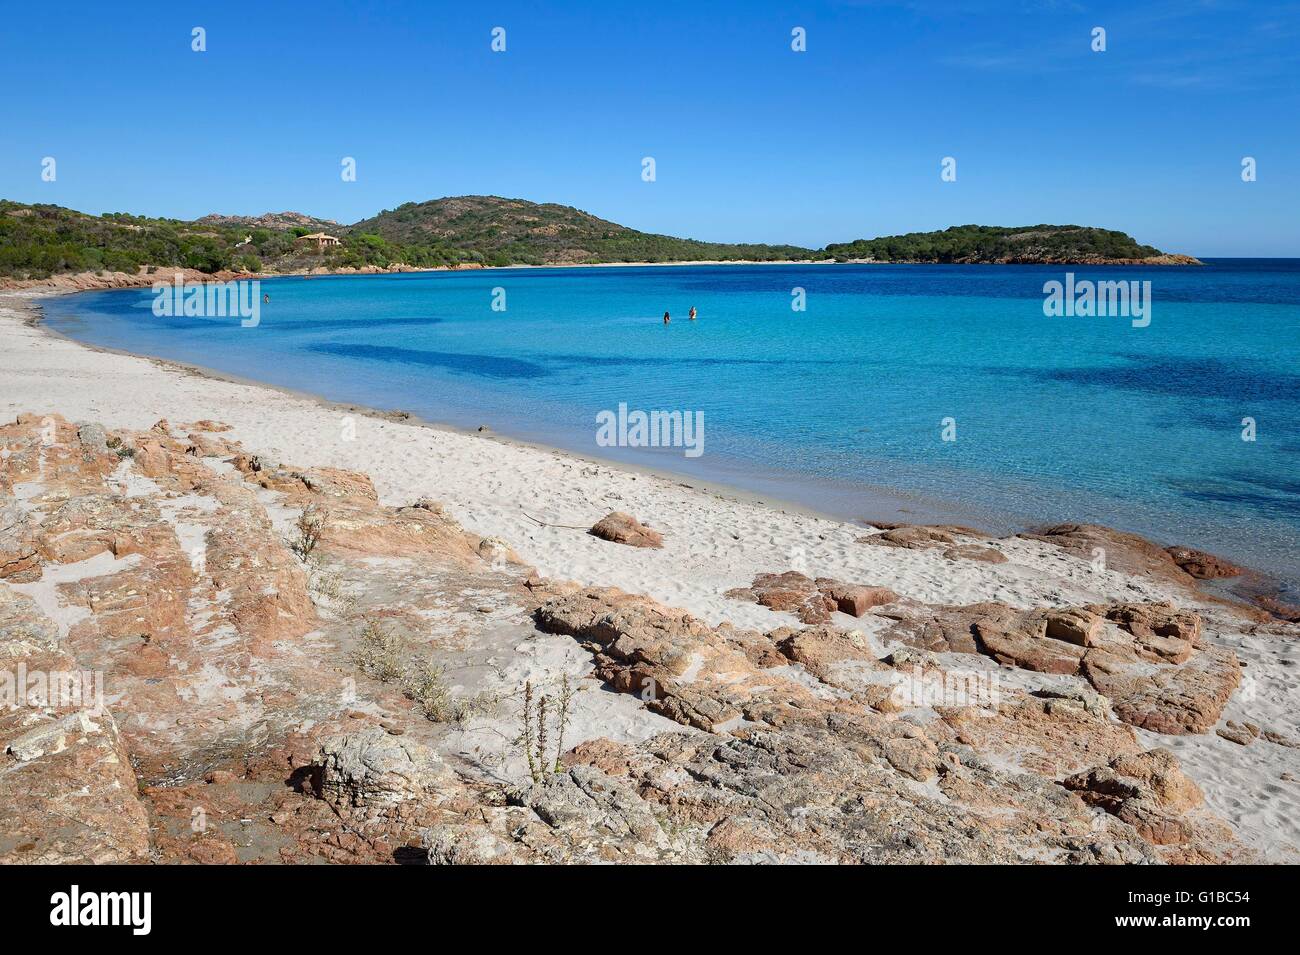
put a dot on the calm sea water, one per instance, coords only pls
(840, 406)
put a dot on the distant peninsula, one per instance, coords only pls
(38, 242)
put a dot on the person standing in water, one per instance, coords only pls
(691, 313)
(666, 318)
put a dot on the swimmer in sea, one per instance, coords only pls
(666, 318)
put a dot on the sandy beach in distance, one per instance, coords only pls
(540, 501)
(89, 281)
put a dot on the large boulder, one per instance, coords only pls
(854, 599)
(620, 528)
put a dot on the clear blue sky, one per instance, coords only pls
(752, 141)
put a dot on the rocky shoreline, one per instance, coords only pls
(315, 649)
(103, 281)
(93, 281)
(244, 685)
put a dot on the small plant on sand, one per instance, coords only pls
(326, 588)
(307, 531)
(423, 684)
(541, 716)
(378, 653)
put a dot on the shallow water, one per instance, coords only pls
(1068, 418)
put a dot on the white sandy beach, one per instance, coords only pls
(714, 541)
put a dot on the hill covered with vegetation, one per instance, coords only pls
(999, 244)
(39, 241)
(496, 231)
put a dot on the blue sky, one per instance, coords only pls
(753, 142)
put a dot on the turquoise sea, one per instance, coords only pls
(841, 406)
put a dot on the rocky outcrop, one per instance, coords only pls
(374, 769)
(178, 584)
(1080, 627)
(1146, 790)
(1161, 629)
(812, 601)
(227, 609)
(724, 682)
(1203, 566)
(582, 799)
(832, 655)
(1185, 699)
(953, 540)
(912, 537)
(67, 789)
(1115, 550)
(790, 592)
(658, 653)
(1147, 658)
